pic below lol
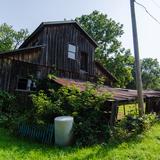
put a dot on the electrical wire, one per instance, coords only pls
(148, 12)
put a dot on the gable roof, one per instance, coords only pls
(105, 71)
(43, 24)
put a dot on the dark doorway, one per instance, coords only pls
(84, 61)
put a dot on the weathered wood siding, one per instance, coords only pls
(12, 70)
(37, 39)
(32, 55)
(20, 65)
(99, 74)
(5, 73)
(57, 38)
(48, 49)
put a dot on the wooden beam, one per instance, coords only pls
(114, 112)
(124, 109)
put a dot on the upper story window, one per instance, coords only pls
(71, 51)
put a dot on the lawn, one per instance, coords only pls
(126, 109)
(144, 147)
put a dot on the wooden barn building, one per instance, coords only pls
(67, 50)
(63, 47)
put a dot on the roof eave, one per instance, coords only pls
(41, 26)
(20, 50)
(38, 29)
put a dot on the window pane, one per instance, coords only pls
(22, 84)
(71, 55)
(71, 48)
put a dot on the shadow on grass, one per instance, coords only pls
(104, 149)
(24, 147)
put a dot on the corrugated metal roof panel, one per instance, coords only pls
(118, 93)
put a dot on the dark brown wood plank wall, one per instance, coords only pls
(5, 69)
(8, 71)
(57, 40)
(88, 48)
(38, 38)
(11, 70)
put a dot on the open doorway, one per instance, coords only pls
(84, 61)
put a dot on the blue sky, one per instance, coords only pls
(30, 13)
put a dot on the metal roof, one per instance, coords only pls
(119, 94)
(43, 24)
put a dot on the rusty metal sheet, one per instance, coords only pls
(119, 94)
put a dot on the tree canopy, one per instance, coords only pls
(150, 69)
(106, 32)
(11, 39)
(150, 73)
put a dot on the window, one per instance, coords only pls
(71, 51)
(84, 61)
(22, 84)
(26, 84)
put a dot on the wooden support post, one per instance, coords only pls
(136, 108)
(148, 107)
(124, 109)
(114, 112)
(158, 105)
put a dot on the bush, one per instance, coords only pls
(132, 125)
(11, 113)
(7, 108)
(86, 107)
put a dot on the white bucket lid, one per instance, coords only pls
(64, 118)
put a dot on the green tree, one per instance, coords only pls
(150, 73)
(121, 65)
(11, 39)
(106, 32)
(150, 69)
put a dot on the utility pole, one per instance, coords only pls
(137, 60)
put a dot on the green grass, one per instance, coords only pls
(144, 147)
(128, 109)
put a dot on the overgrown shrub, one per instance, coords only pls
(7, 108)
(132, 125)
(86, 107)
(11, 112)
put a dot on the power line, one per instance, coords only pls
(156, 3)
(148, 12)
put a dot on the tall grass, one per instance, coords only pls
(143, 147)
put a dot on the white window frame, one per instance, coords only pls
(72, 51)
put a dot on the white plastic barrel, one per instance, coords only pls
(63, 130)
